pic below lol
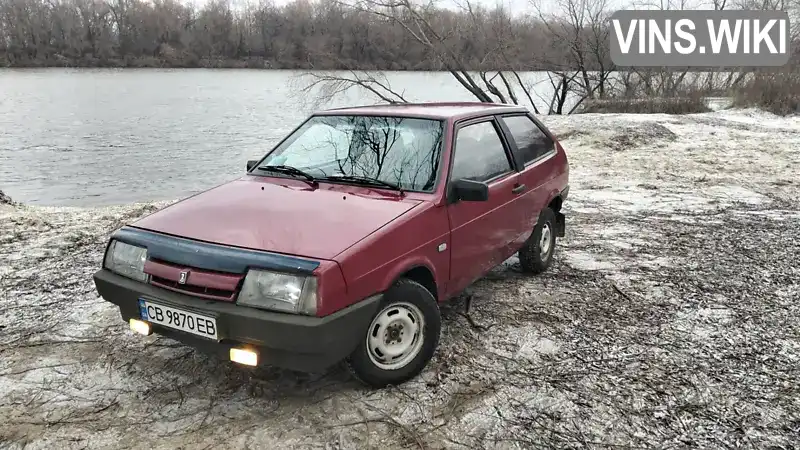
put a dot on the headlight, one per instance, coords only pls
(126, 260)
(279, 292)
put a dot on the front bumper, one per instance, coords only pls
(290, 341)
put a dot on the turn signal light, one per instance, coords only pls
(244, 356)
(141, 327)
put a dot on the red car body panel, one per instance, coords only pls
(274, 214)
(367, 238)
(412, 241)
(445, 111)
(545, 180)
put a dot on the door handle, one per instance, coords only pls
(518, 189)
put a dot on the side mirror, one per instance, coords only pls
(251, 163)
(470, 191)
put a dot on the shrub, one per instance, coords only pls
(778, 93)
(654, 105)
(5, 199)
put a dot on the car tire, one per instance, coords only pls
(533, 258)
(413, 335)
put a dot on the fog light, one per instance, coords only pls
(141, 327)
(244, 356)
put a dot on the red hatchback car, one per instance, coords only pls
(340, 243)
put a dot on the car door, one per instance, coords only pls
(534, 151)
(482, 231)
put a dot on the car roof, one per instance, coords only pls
(432, 110)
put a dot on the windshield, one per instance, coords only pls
(402, 151)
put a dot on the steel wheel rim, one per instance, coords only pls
(395, 336)
(545, 241)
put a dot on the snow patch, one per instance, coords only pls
(583, 260)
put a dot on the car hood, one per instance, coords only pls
(284, 216)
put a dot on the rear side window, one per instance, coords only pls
(479, 153)
(531, 140)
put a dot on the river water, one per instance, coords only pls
(82, 137)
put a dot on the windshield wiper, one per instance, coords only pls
(289, 170)
(364, 181)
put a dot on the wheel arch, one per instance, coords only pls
(556, 202)
(420, 271)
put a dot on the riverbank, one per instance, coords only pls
(670, 317)
(150, 62)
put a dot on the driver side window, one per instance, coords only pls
(479, 153)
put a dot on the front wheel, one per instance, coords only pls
(537, 253)
(401, 337)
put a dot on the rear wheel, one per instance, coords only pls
(401, 338)
(537, 253)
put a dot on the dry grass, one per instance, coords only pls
(775, 92)
(656, 105)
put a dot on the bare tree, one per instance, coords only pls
(583, 64)
(488, 51)
(492, 37)
(325, 86)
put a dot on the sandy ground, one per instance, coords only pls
(671, 318)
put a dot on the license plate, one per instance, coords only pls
(178, 319)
